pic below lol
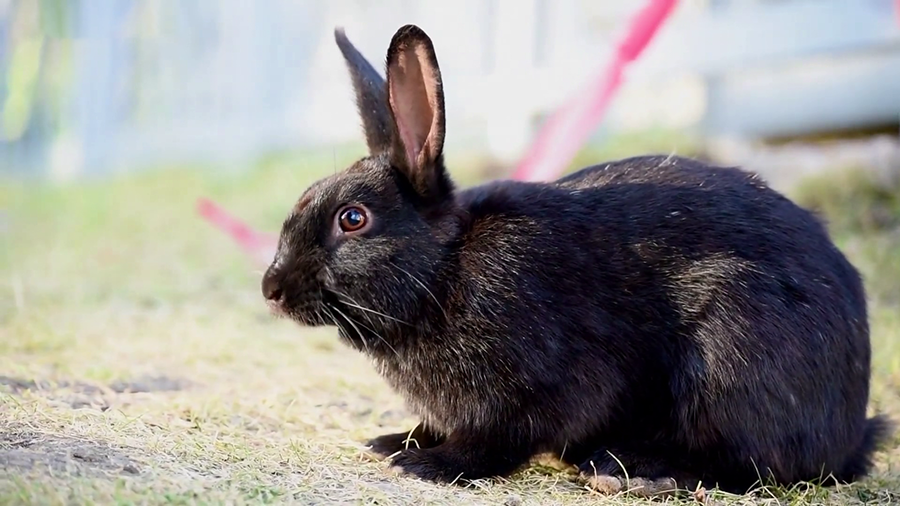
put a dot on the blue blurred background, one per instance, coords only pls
(91, 87)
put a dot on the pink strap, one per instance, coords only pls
(566, 131)
(260, 246)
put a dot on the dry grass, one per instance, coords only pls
(139, 365)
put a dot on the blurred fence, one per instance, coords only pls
(91, 86)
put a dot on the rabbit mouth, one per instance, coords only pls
(276, 308)
(308, 313)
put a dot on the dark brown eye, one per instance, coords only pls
(352, 219)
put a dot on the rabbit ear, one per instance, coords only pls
(416, 100)
(370, 96)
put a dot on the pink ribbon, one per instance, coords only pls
(259, 245)
(568, 129)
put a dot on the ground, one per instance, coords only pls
(138, 363)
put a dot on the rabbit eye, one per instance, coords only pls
(352, 219)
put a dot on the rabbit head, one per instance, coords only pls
(356, 242)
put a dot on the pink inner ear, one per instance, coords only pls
(410, 142)
(411, 98)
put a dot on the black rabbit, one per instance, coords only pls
(654, 317)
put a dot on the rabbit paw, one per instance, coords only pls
(426, 464)
(388, 444)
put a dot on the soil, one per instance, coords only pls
(22, 452)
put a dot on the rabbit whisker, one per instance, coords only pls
(354, 322)
(353, 303)
(367, 310)
(341, 296)
(321, 316)
(339, 326)
(379, 336)
(423, 286)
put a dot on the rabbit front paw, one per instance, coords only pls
(426, 464)
(462, 457)
(389, 444)
(419, 437)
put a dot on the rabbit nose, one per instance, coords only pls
(271, 285)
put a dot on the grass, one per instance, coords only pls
(138, 364)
